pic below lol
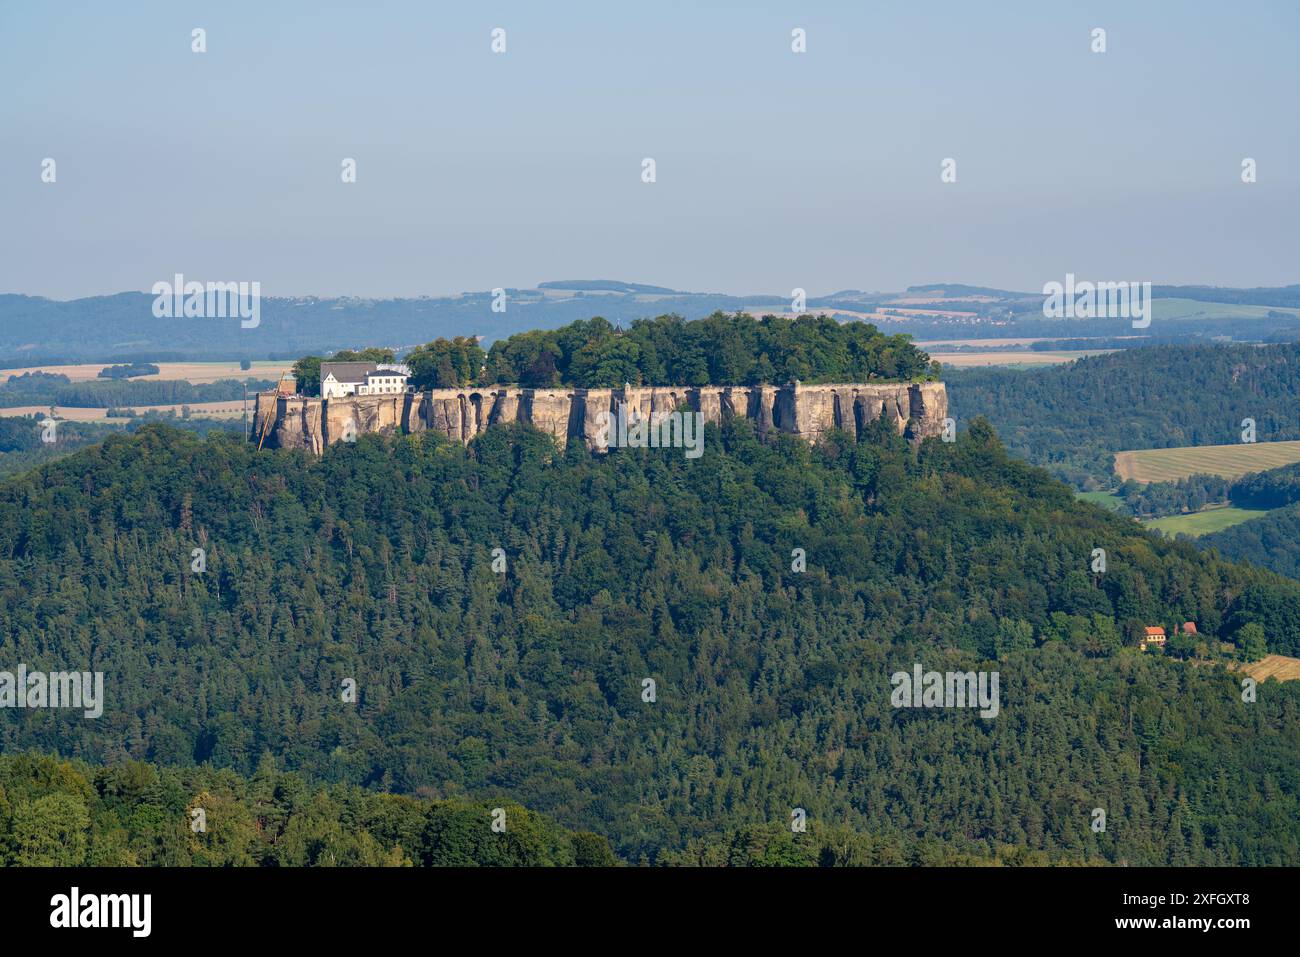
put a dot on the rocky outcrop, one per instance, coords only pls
(806, 411)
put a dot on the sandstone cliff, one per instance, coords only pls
(806, 411)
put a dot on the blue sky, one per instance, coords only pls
(774, 169)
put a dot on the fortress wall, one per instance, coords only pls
(806, 411)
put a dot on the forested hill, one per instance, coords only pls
(1271, 541)
(375, 564)
(1073, 418)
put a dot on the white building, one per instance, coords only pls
(362, 378)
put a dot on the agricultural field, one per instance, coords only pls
(195, 372)
(1228, 461)
(1274, 666)
(1105, 499)
(961, 360)
(1179, 309)
(783, 312)
(198, 410)
(1205, 521)
(927, 344)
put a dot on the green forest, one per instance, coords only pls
(1271, 541)
(21, 447)
(520, 674)
(61, 813)
(1073, 418)
(57, 813)
(128, 370)
(721, 349)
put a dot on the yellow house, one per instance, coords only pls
(1154, 636)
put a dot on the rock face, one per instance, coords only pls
(806, 411)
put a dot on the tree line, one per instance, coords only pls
(45, 389)
(721, 349)
(128, 370)
(67, 813)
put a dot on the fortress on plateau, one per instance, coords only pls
(293, 421)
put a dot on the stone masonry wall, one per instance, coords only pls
(806, 411)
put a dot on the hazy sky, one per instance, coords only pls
(774, 169)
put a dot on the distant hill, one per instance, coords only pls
(604, 285)
(1072, 419)
(122, 328)
(956, 290)
(1285, 296)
